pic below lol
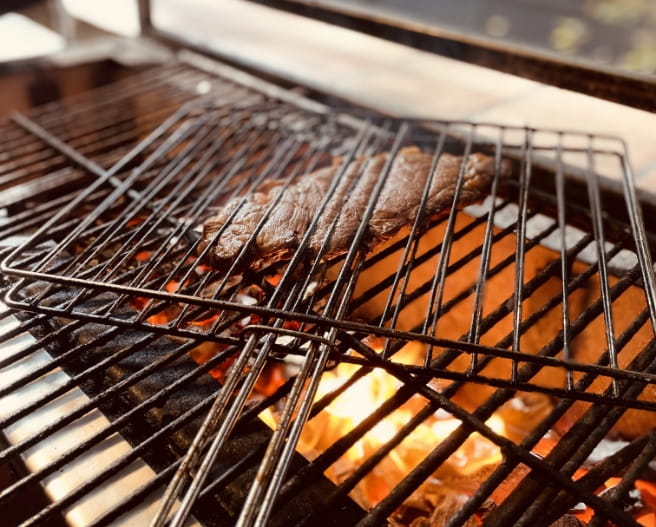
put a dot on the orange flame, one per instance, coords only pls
(458, 476)
(357, 403)
(159, 319)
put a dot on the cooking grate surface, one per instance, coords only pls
(142, 240)
(573, 319)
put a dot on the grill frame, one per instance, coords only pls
(383, 511)
(27, 220)
(10, 266)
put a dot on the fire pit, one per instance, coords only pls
(463, 371)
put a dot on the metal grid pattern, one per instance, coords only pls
(87, 275)
(144, 244)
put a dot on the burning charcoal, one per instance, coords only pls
(630, 502)
(419, 511)
(487, 507)
(568, 520)
(446, 509)
(420, 522)
(417, 507)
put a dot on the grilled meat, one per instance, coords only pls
(347, 207)
(280, 227)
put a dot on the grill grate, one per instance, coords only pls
(199, 168)
(573, 319)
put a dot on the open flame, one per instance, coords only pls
(460, 476)
(361, 399)
(447, 489)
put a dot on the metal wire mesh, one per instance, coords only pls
(142, 241)
(544, 288)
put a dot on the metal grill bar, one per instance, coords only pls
(131, 414)
(472, 423)
(598, 230)
(520, 253)
(437, 288)
(531, 441)
(363, 328)
(220, 404)
(55, 442)
(564, 267)
(335, 302)
(591, 430)
(638, 230)
(115, 426)
(484, 270)
(642, 459)
(458, 442)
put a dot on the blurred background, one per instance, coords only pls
(44, 44)
(616, 33)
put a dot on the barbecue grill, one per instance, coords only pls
(510, 342)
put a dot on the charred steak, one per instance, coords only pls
(397, 206)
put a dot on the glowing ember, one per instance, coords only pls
(444, 493)
(172, 286)
(206, 322)
(357, 403)
(273, 280)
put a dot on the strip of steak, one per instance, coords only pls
(281, 233)
(399, 201)
(348, 205)
(397, 206)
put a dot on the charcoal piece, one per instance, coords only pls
(568, 520)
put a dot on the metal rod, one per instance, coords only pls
(564, 263)
(326, 325)
(484, 266)
(434, 306)
(410, 249)
(598, 229)
(520, 247)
